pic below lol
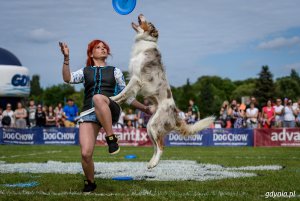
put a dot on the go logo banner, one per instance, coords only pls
(20, 80)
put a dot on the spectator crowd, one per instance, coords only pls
(273, 114)
(280, 113)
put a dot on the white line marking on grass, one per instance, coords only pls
(34, 154)
(129, 194)
(167, 170)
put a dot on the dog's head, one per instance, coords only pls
(145, 28)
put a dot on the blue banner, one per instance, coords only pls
(212, 137)
(39, 136)
(207, 137)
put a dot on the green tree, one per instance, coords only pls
(264, 86)
(58, 93)
(36, 92)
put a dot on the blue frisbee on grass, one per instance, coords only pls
(124, 7)
(130, 156)
(122, 178)
(22, 185)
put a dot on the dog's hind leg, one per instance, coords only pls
(154, 142)
(157, 139)
(159, 151)
(130, 90)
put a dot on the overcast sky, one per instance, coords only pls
(227, 38)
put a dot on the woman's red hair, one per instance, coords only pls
(91, 46)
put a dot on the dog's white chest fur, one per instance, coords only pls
(138, 56)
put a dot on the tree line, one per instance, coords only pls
(208, 92)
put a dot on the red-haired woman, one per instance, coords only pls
(101, 81)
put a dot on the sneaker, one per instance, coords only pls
(113, 147)
(89, 186)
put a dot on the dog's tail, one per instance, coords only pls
(189, 129)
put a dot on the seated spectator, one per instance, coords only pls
(129, 124)
(190, 117)
(278, 108)
(31, 110)
(252, 115)
(50, 117)
(181, 114)
(8, 119)
(70, 112)
(144, 117)
(289, 115)
(40, 116)
(1, 116)
(239, 115)
(20, 115)
(59, 115)
(268, 115)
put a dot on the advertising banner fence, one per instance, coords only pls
(139, 137)
(39, 136)
(212, 137)
(281, 137)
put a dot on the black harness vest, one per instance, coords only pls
(98, 80)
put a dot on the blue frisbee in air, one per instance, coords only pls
(124, 7)
(122, 178)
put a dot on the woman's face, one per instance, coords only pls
(100, 51)
(269, 103)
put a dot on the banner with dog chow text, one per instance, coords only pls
(281, 137)
(212, 137)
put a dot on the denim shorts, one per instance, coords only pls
(91, 117)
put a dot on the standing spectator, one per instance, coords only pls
(40, 116)
(238, 115)
(31, 110)
(8, 118)
(71, 112)
(59, 115)
(225, 115)
(20, 115)
(252, 115)
(268, 115)
(234, 107)
(50, 117)
(195, 110)
(1, 116)
(278, 113)
(130, 116)
(120, 123)
(297, 111)
(289, 115)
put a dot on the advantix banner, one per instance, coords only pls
(139, 137)
(281, 137)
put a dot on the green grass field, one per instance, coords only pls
(69, 186)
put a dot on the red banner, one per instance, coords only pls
(281, 137)
(127, 137)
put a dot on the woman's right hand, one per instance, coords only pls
(64, 49)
